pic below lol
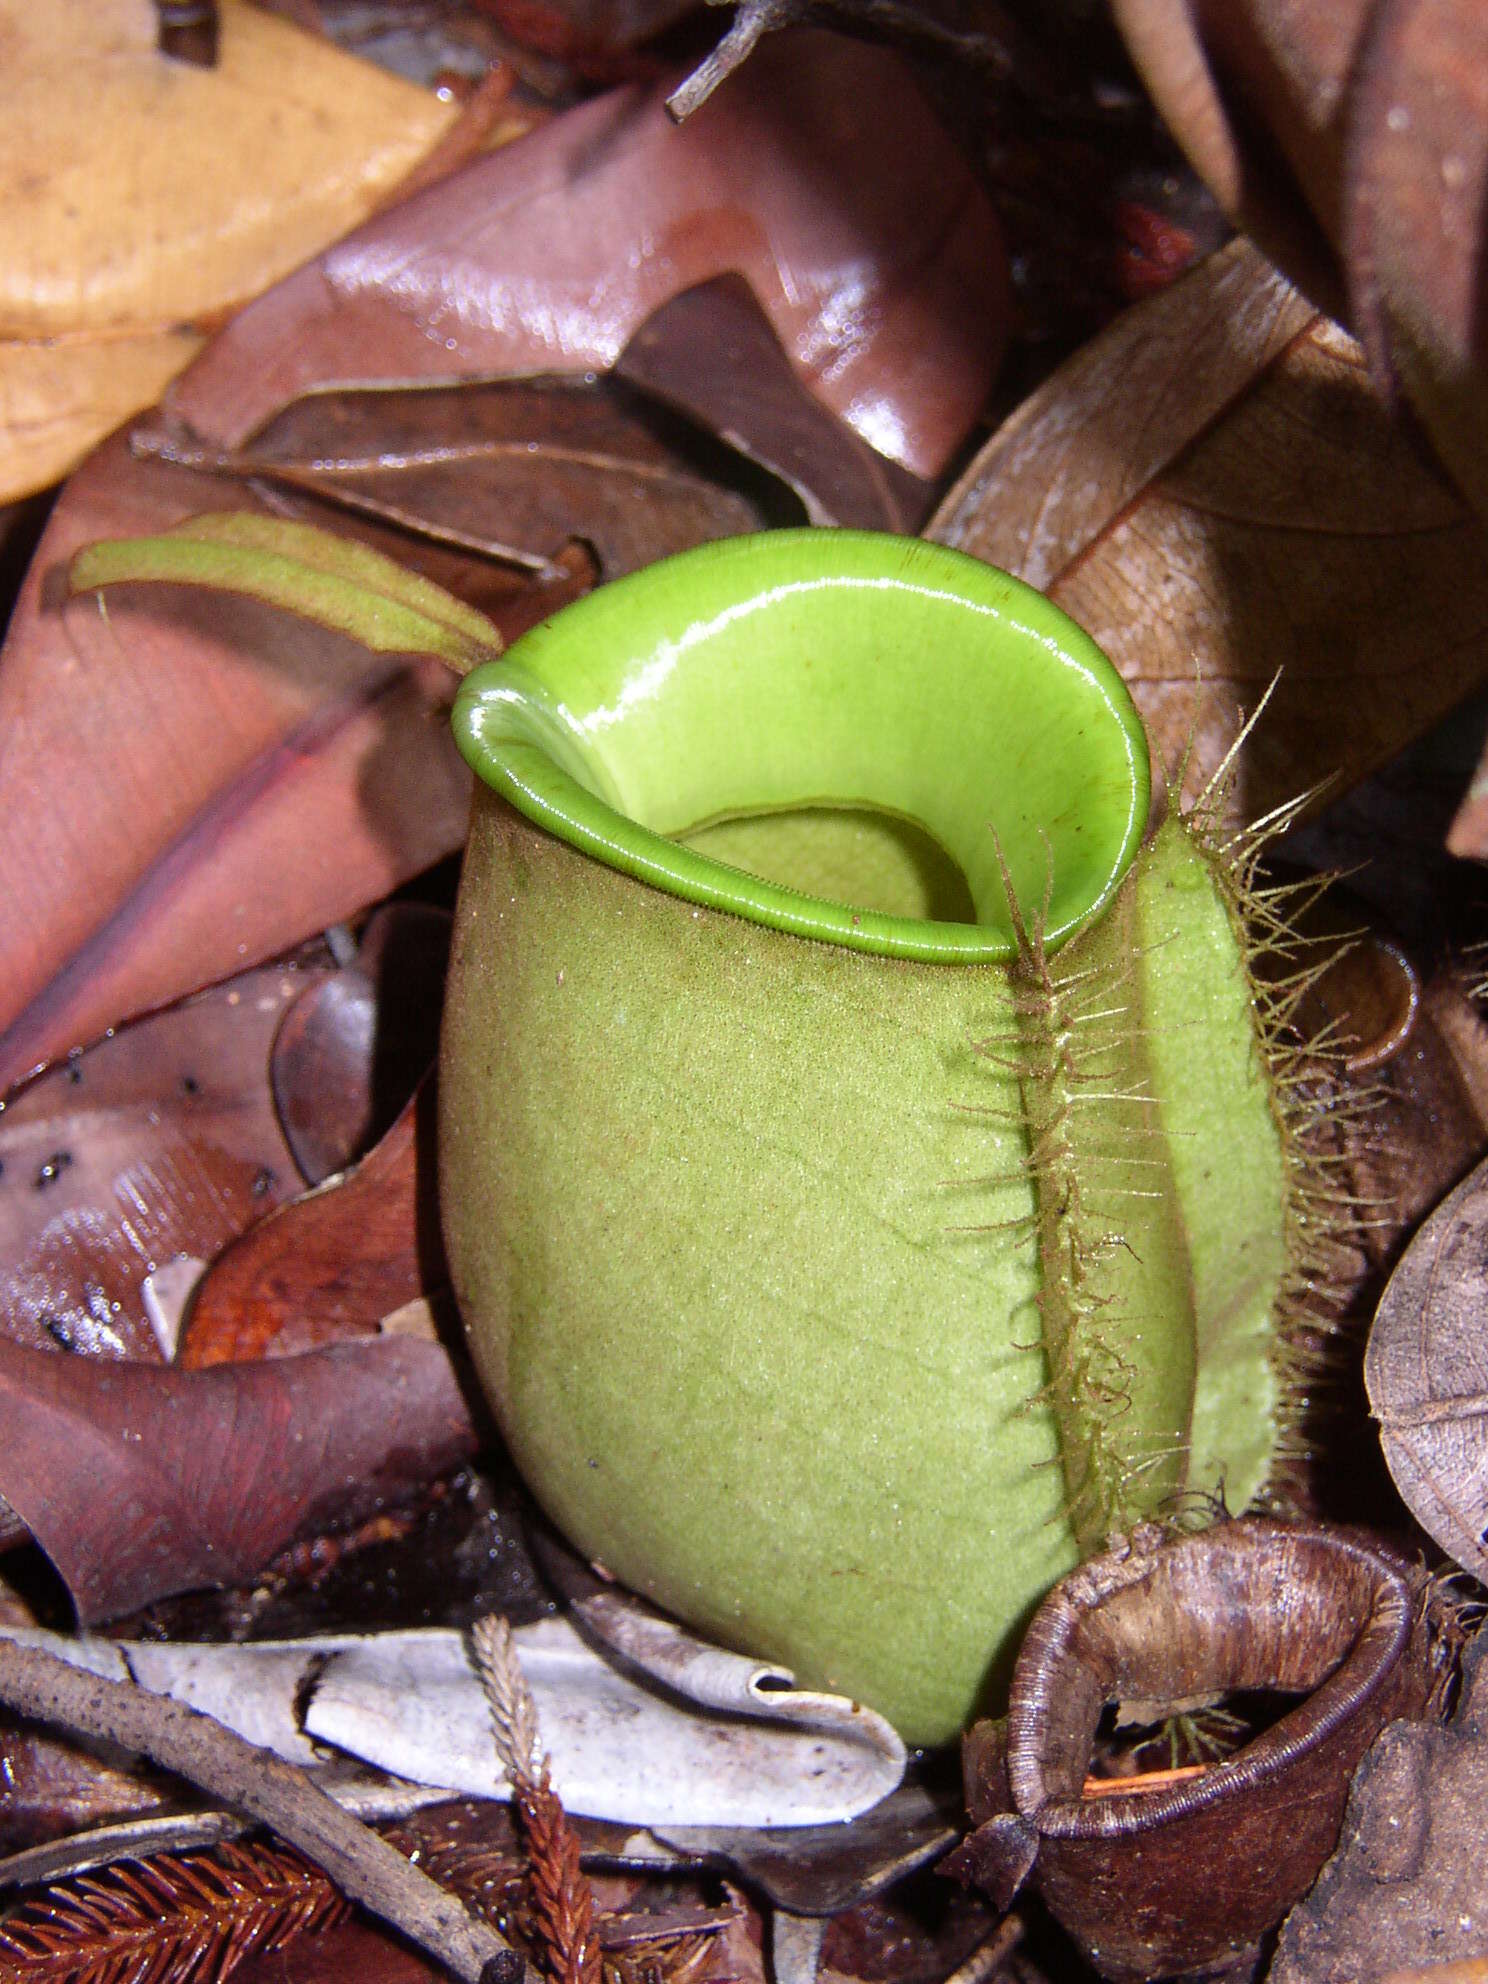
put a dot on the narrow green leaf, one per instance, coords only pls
(331, 580)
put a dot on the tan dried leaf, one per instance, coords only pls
(58, 396)
(139, 195)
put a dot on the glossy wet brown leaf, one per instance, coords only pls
(353, 1048)
(818, 173)
(157, 1142)
(139, 1481)
(710, 354)
(1213, 490)
(511, 471)
(331, 1264)
(1427, 1374)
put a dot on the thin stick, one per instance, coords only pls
(194, 1746)
(752, 22)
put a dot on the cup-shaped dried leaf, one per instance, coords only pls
(1156, 1883)
(1426, 1370)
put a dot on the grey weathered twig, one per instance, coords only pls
(239, 1774)
(997, 50)
(752, 22)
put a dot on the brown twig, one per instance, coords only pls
(252, 1780)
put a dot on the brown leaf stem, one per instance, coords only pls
(363, 1865)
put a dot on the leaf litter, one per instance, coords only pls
(1196, 510)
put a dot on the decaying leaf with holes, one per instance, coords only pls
(1427, 1374)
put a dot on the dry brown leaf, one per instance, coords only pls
(352, 1049)
(330, 1265)
(1212, 489)
(818, 172)
(711, 355)
(512, 470)
(1350, 138)
(139, 195)
(1426, 1370)
(157, 1142)
(139, 1481)
(140, 192)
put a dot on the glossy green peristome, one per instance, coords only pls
(842, 1271)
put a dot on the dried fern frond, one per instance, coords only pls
(561, 1899)
(175, 1917)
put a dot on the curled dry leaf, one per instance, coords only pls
(699, 1737)
(138, 1481)
(818, 173)
(159, 1141)
(710, 354)
(1426, 1370)
(353, 1048)
(1351, 139)
(235, 174)
(1213, 490)
(331, 1264)
(1426, 1125)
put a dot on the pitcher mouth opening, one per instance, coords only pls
(755, 723)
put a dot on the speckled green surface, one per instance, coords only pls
(840, 1300)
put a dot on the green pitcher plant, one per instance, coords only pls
(873, 1169)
